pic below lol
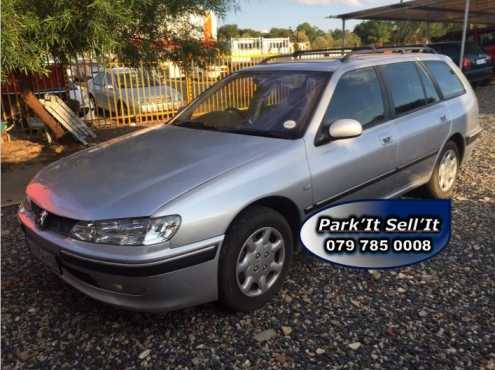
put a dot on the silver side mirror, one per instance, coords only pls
(345, 129)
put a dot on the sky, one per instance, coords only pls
(264, 14)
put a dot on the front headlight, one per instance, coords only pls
(137, 231)
(25, 205)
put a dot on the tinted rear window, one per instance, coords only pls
(405, 86)
(452, 50)
(447, 80)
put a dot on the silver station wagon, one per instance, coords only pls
(209, 206)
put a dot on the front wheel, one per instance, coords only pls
(445, 172)
(255, 259)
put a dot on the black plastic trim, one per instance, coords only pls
(139, 271)
(471, 139)
(328, 201)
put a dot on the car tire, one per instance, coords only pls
(255, 259)
(444, 174)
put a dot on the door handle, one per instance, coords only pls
(443, 118)
(386, 140)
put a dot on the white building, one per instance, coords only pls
(245, 48)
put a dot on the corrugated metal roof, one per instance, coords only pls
(448, 11)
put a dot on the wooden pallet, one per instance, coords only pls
(67, 118)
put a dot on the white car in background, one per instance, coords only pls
(210, 72)
(131, 91)
(80, 94)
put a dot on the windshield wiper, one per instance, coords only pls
(243, 131)
(253, 132)
(190, 124)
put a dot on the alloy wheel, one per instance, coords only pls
(260, 261)
(447, 170)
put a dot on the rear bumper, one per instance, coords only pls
(187, 277)
(480, 74)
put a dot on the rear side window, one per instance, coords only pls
(405, 86)
(447, 80)
(487, 38)
(430, 91)
(451, 50)
(357, 96)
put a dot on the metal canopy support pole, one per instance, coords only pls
(343, 34)
(464, 33)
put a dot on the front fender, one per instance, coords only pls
(208, 210)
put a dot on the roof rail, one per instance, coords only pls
(333, 53)
(420, 48)
(345, 54)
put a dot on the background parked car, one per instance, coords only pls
(129, 91)
(211, 72)
(477, 65)
(79, 94)
(485, 37)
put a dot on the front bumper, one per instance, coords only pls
(182, 277)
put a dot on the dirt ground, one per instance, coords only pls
(23, 158)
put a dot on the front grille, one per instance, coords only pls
(55, 223)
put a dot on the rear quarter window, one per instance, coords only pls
(447, 80)
(404, 84)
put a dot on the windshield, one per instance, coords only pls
(273, 104)
(134, 79)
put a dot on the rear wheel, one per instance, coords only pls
(255, 258)
(445, 172)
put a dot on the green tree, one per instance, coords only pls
(311, 31)
(225, 34)
(35, 31)
(374, 32)
(228, 31)
(301, 36)
(248, 32)
(351, 39)
(322, 42)
(280, 32)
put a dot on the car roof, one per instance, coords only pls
(332, 65)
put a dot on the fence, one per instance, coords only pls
(117, 95)
(114, 95)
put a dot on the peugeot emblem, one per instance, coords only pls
(42, 219)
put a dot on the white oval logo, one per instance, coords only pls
(378, 234)
(290, 124)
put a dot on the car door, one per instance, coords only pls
(358, 167)
(420, 118)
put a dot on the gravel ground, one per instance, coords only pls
(439, 314)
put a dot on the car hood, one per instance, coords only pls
(135, 175)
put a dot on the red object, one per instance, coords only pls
(466, 64)
(55, 80)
